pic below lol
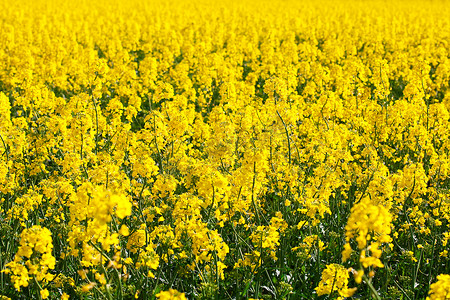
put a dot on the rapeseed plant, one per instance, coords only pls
(232, 150)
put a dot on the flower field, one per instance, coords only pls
(224, 150)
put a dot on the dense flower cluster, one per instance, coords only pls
(440, 289)
(232, 149)
(335, 278)
(171, 295)
(33, 259)
(367, 222)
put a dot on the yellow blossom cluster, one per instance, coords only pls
(33, 259)
(440, 289)
(370, 226)
(335, 278)
(171, 295)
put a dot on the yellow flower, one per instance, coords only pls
(34, 257)
(148, 258)
(440, 290)
(64, 296)
(123, 208)
(136, 240)
(44, 293)
(367, 218)
(171, 294)
(346, 252)
(335, 279)
(368, 222)
(124, 230)
(88, 287)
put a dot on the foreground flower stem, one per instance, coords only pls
(371, 287)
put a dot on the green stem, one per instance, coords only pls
(287, 136)
(253, 194)
(372, 288)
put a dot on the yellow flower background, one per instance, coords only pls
(224, 149)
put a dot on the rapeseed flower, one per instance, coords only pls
(440, 289)
(335, 279)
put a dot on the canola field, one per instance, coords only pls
(224, 149)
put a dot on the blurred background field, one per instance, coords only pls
(224, 150)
